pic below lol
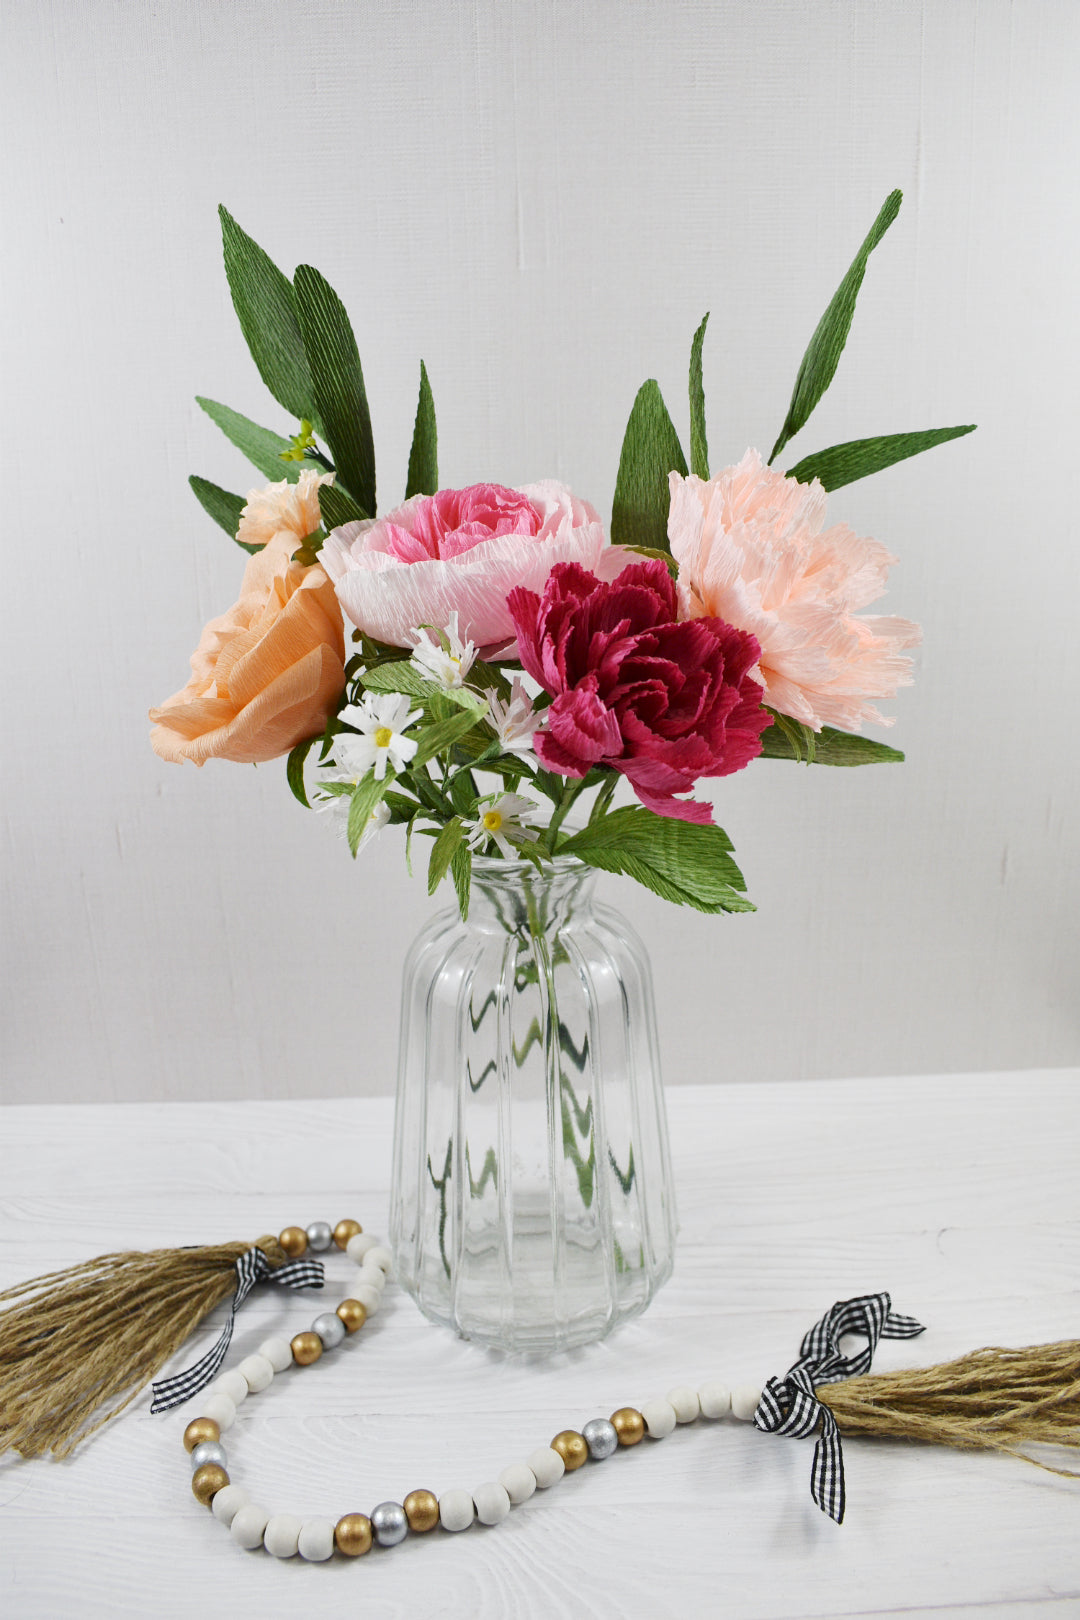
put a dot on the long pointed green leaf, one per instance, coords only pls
(844, 463)
(337, 507)
(442, 852)
(424, 455)
(367, 795)
(830, 747)
(262, 447)
(294, 770)
(338, 383)
(224, 508)
(444, 733)
(461, 872)
(699, 444)
(263, 299)
(827, 344)
(650, 450)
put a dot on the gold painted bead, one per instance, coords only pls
(353, 1314)
(572, 1448)
(628, 1424)
(352, 1534)
(306, 1348)
(421, 1510)
(294, 1241)
(198, 1430)
(344, 1230)
(207, 1481)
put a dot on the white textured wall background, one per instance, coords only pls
(541, 199)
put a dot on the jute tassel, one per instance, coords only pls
(85, 1341)
(990, 1400)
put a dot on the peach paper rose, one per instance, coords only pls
(462, 551)
(269, 672)
(752, 550)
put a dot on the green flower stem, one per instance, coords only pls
(566, 799)
(604, 798)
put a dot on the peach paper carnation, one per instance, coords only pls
(283, 508)
(752, 550)
(269, 672)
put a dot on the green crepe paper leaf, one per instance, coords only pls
(424, 456)
(367, 795)
(491, 678)
(294, 769)
(443, 734)
(801, 739)
(337, 507)
(401, 676)
(338, 382)
(681, 861)
(442, 852)
(699, 445)
(263, 299)
(829, 747)
(224, 508)
(845, 463)
(262, 447)
(461, 872)
(650, 450)
(823, 352)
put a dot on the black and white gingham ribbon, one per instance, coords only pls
(252, 1267)
(789, 1405)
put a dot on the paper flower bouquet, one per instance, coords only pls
(473, 661)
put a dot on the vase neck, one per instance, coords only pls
(513, 897)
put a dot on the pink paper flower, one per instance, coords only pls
(460, 551)
(752, 549)
(663, 702)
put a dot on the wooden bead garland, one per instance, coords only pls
(285, 1536)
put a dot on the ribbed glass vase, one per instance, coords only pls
(532, 1205)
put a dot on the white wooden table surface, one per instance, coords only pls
(959, 1195)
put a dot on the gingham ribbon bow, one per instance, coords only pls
(789, 1405)
(252, 1267)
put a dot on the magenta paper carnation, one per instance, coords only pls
(663, 702)
(752, 549)
(461, 551)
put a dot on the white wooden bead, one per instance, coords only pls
(278, 1353)
(361, 1244)
(659, 1418)
(282, 1535)
(370, 1298)
(686, 1404)
(492, 1502)
(374, 1276)
(456, 1510)
(547, 1466)
(518, 1481)
(316, 1541)
(227, 1503)
(745, 1399)
(248, 1525)
(257, 1372)
(221, 1409)
(378, 1256)
(715, 1400)
(232, 1383)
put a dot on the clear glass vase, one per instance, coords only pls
(532, 1205)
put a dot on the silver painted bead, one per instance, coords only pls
(389, 1523)
(600, 1437)
(209, 1451)
(330, 1328)
(319, 1236)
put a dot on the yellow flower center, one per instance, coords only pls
(492, 820)
(383, 737)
